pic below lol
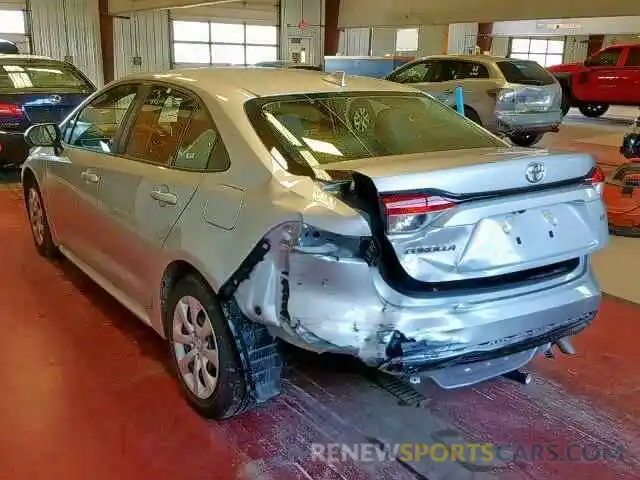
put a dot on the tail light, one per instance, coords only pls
(408, 213)
(10, 110)
(596, 179)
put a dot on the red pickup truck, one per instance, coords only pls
(609, 77)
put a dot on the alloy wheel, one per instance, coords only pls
(195, 347)
(361, 120)
(36, 216)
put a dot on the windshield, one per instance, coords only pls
(525, 72)
(327, 128)
(21, 76)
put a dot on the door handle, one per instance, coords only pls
(90, 176)
(164, 197)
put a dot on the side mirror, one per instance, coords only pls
(631, 145)
(44, 135)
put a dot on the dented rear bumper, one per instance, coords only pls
(334, 304)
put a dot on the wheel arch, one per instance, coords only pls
(173, 272)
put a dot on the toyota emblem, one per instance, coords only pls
(535, 172)
(55, 99)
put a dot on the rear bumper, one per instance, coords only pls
(528, 122)
(340, 306)
(13, 148)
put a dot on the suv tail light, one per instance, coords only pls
(410, 212)
(596, 179)
(10, 110)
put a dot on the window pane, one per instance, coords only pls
(521, 56)
(553, 60)
(97, 125)
(556, 46)
(159, 125)
(606, 58)
(191, 53)
(227, 32)
(261, 54)
(262, 34)
(28, 75)
(228, 54)
(191, 31)
(633, 59)
(538, 46)
(407, 40)
(413, 74)
(520, 45)
(198, 143)
(539, 58)
(11, 21)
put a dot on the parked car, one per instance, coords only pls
(286, 64)
(518, 99)
(610, 77)
(231, 207)
(35, 90)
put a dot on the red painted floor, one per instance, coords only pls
(86, 394)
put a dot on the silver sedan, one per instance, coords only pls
(229, 208)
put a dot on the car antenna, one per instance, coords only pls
(338, 78)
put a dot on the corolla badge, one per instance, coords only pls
(535, 172)
(55, 99)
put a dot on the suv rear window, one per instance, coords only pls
(525, 72)
(27, 76)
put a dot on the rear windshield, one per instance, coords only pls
(307, 130)
(525, 72)
(26, 76)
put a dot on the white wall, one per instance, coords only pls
(141, 43)
(291, 13)
(69, 29)
(569, 26)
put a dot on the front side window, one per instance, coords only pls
(467, 70)
(415, 73)
(98, 124)
(605, 58)
(315, 130)
(24, 76)
(159, 126)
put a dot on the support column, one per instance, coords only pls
(331, 32)
(485, 32)
(594, 44)
(106, 41)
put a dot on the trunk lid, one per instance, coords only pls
(490, 212)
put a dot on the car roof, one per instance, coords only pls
(259, 82)
(20, 56)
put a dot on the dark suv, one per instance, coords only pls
(35, 90)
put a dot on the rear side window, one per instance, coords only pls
(525, 72)
(606, 58)
(26, 76)
(633, 59)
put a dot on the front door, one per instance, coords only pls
(599, 82)
(73, 178)
(144, 192)
(630, 84)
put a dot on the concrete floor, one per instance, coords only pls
(87, 394)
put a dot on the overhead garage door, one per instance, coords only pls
(228, 34)
(13, 24)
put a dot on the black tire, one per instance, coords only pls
(525, 139)
(593, 110)
(361, 116)
(472, 115)
(565, 106)
(230, 396)
(40, 231)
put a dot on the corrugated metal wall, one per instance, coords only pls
(576, 48)
(68, 29)
(355, 41)
(292, 12)
(141, 43)
(461, 38)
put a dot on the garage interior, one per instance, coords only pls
(87, 391)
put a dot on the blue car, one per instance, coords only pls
(35, 90)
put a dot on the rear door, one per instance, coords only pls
(144, 191)
(630, 81)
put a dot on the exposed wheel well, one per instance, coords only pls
(174, 272)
